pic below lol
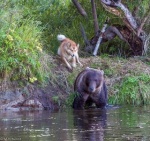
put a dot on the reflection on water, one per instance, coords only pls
(113, 124)
(90, 124)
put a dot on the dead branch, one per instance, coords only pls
(96, 27)
(133, 33)
(146, 45)
(146, 17)
(127, 13)
(86, 41)
(79, 8)
(136, 9)
(119, 14)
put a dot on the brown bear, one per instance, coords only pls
(91, 88)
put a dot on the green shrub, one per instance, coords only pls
(21, 51)
(70, 99)
(132, 90)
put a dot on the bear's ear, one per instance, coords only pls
(87, 68)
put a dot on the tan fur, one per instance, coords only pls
(68, 51)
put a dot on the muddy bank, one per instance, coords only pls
(30, 97)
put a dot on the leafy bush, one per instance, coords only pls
(21, 47)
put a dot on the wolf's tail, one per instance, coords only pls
(61, 37)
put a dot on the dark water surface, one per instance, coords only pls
(113, 124)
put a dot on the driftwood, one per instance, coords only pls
(131, 32)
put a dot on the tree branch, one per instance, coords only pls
(127, 16)
(136, 9)
(86, 41)
(96, 27)
(146, 16)
(79, 8)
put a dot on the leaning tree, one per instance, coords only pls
(131, 31)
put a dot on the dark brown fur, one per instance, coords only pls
(91, 88)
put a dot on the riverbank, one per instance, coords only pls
(127, 80)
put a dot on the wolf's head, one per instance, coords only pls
(72, 49)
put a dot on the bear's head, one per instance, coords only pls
(93, 80)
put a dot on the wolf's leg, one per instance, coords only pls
(74, 62)
(66, 62)
(77, 58)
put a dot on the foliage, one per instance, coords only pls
(132, 90)
(20, 46)
(70, 99)
(68, 21)
(56, 99)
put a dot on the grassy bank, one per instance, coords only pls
(28, 46)
(127, 80)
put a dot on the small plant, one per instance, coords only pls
(70, 99)
(109, 72)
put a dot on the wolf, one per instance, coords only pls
(68, 51)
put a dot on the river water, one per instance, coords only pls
(126, 123)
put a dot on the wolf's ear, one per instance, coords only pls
(77, 45)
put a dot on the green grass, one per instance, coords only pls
(132, 90)
(70, 99)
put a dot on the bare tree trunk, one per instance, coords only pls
(96, 27)
(99, 40)
(146, 45)
(128, 15)
(80, 8)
